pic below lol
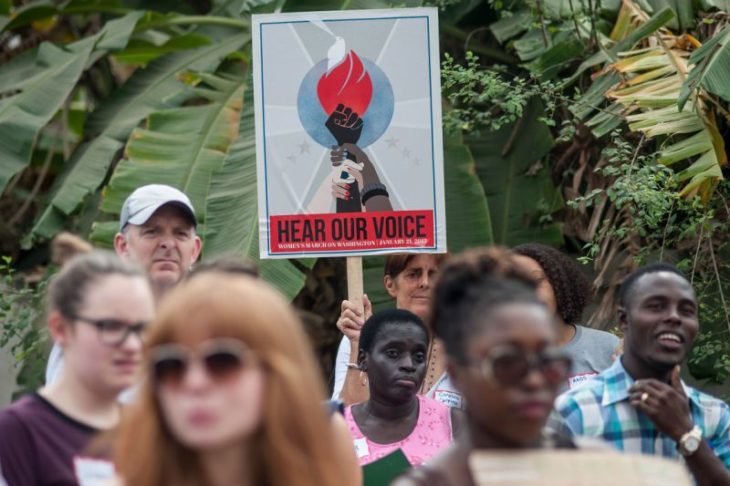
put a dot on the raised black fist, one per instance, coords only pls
(345, 125)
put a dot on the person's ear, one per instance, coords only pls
(362, 361)
(623, 319)
(120, 245)
(390, 286)
(58, 327)
(197, 248)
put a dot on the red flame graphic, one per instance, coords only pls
(348, 83)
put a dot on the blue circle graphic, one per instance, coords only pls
(375, 120)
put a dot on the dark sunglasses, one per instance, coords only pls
(222, 359)
(509, 366)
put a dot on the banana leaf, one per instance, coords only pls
(648, 98)
(231, 208)
(518, 192)
(511, 26)
(648, 82)
(155, 87)
(51, 79)
(468, 220)
(711, 69)
(632, 37)
(180, 147)
(685, 14)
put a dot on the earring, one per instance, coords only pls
(363, 378)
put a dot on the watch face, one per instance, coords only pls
(691, 444)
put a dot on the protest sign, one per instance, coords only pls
(348, 133)
(574, 468)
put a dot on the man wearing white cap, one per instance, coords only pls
(157, 229)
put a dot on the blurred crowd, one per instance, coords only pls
(168, 372)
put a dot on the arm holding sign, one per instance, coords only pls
(350, 322)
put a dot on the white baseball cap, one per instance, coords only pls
(145, 200)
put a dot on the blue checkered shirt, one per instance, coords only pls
(600, 408)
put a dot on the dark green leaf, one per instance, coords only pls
(503, 159)
(231, 224)
(23, 115)
(558, 57)
(142, 52)
(711, 68)
(658, 20)
(155, 87)
(508, 27)
(468, 220)
(29, 13)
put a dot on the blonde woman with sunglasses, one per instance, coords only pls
(98, 309)
(232, 395)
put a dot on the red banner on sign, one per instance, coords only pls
(351, 231)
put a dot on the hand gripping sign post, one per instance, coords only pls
(348, 135)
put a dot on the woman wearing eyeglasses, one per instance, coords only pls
(502, 355)
(232, 395)
(98, 308)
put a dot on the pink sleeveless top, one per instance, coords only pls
(431, 434)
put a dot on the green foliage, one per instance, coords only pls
(711, 68)
(20, 309)
(519, 189)
(645, 192)
(486, 98)
(36, 97)
(710, 357)
(231, 224)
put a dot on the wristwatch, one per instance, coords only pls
(690, 442)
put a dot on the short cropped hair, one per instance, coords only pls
(371, 329)
(628, 283)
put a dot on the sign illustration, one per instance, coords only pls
(348, 130)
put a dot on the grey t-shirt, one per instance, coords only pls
(592, 351)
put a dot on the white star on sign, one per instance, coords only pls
(303, 147)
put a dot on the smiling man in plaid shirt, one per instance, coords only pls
(639, 404)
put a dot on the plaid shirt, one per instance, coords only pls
(600, 408)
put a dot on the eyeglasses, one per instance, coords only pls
(222, 359)
(509, 366)
(114, 332)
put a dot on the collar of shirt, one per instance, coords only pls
(617, 381)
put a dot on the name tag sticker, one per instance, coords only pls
(93, 472)
(448, 397)
(361, 447)
(576, 380)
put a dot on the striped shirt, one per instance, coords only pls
(600, 408)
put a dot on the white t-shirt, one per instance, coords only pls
(443, 390)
